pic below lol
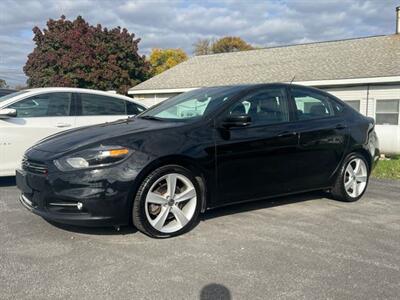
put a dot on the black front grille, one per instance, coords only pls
(34, 166)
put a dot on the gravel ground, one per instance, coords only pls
(302, 247)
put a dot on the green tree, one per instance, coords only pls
(164, 59)
(76, 54)
(3, 83)
(230, 44)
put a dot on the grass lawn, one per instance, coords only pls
(389, 169)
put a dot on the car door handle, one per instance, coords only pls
(63, 125)
(341, 126)
(287, 134)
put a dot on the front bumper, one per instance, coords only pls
(86, 198)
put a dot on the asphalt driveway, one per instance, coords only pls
(304, 247)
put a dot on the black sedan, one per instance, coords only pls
(206, 148)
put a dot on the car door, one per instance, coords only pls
(323, 137)
(96, 109)
(37, 117)
(256, 161)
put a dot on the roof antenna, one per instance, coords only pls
(291, 81)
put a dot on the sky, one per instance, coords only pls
(179, 24)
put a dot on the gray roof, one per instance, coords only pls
(377, 56)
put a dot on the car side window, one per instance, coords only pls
(310, 105)
(44, 105)
(99, 105)
(267, 106)
(133, 108)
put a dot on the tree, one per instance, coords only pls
(20, 87)
(230, 44)
(202, 47)
(224, 44)
(76, 54)
(3, 83)
(163, 59)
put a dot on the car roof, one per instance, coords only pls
(252, 86)
(77, 90)
(36, 91)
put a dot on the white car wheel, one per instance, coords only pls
(355, 178)
(167, 202)
(170, 203)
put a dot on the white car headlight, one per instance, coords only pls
(90, 158)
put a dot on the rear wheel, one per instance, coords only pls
(352, 179)
(167, 203)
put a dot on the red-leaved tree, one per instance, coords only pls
(76, 54)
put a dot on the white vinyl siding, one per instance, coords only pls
(389, 135)
(354, 104)
(350, 94)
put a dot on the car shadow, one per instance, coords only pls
(210, 214)
(123, 230)
(260, 204)
(215, 291)
(7, 181)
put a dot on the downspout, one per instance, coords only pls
(366, 110)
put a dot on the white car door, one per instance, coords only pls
(37, 117)
(96, 109)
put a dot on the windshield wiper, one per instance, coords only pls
(150, 118)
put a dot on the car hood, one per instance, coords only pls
(82, 137)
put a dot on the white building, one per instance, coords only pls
(365, 72)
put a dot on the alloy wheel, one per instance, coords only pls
(170, 203)
(355, 177)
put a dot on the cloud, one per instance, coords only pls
(173, 24)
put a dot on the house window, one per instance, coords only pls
(387, 112)
(354, 104)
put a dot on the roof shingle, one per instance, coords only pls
(377, 56)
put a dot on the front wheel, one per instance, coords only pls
(352, 179)
(167, 202)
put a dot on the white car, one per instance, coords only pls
(30, 115)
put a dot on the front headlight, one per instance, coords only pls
(90, 158)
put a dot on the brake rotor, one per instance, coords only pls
(155, 209)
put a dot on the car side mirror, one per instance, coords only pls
(237, 121)
(6, 113)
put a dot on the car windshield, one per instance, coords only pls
(191, 105)
(9, 96)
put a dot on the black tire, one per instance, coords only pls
(338, 191)
(138, 211)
